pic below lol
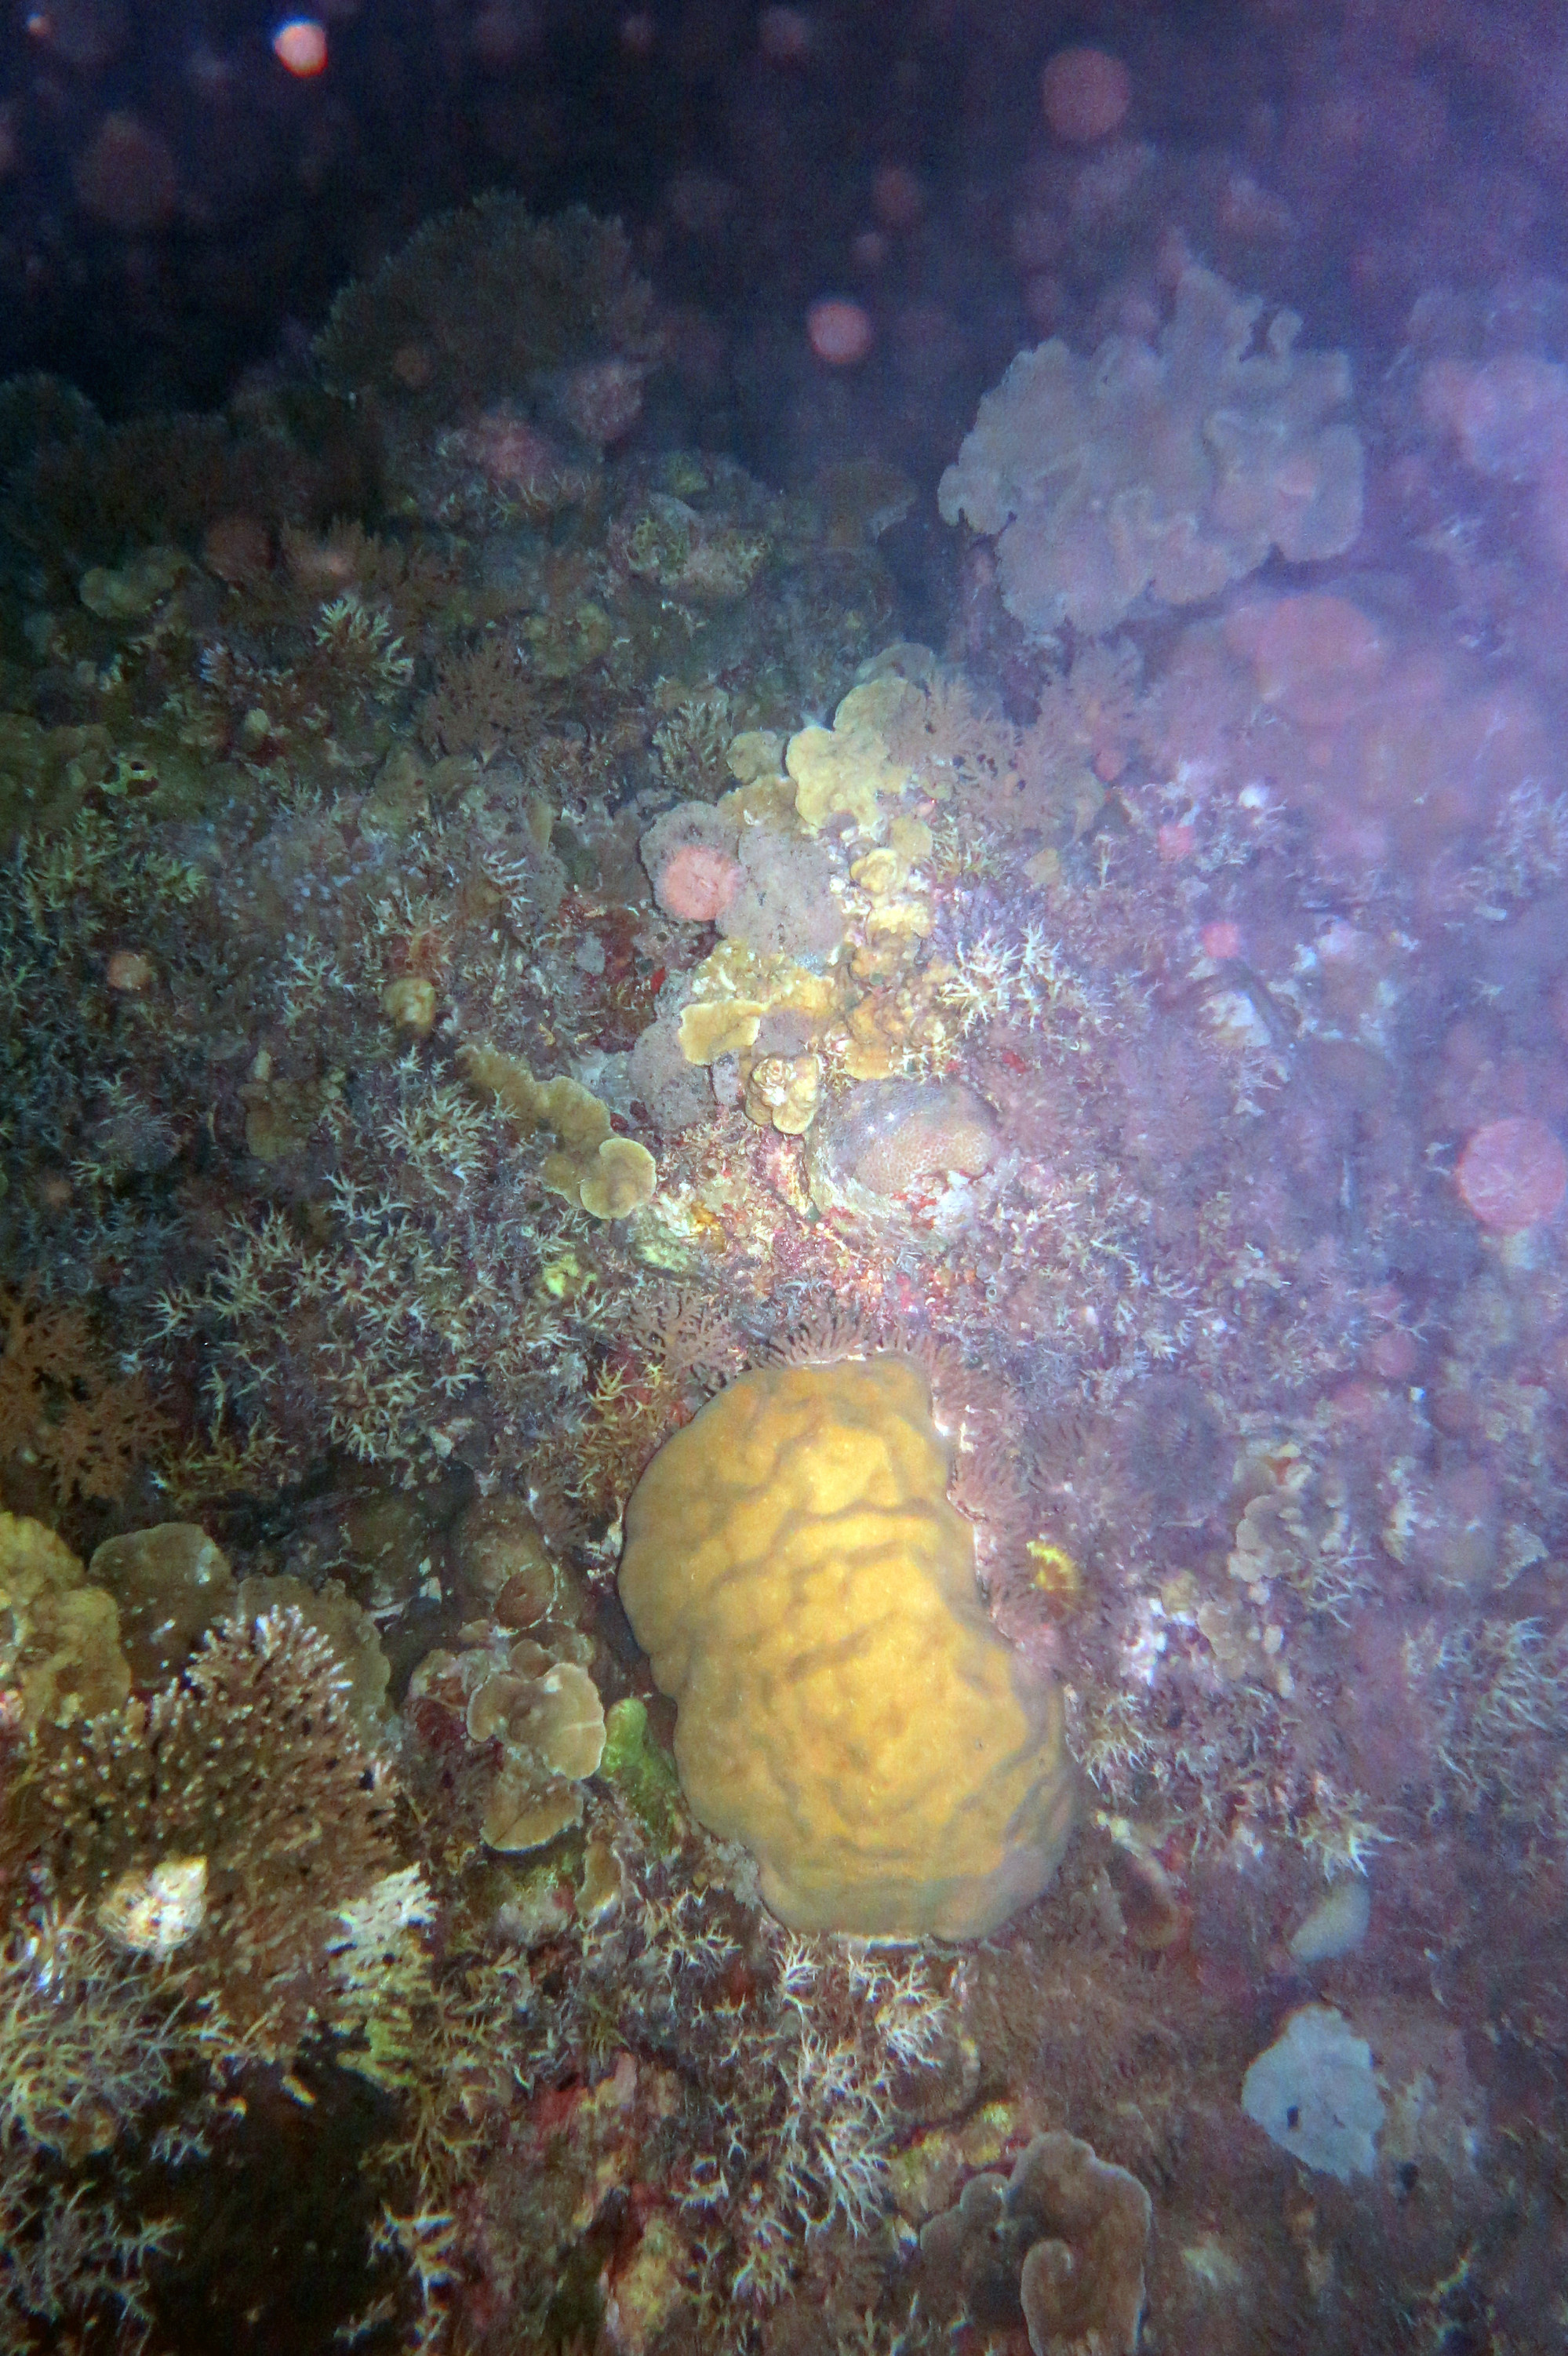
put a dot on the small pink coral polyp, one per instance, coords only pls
(604, 399)
(506, 448)
(696, 883)
(1512, 1174)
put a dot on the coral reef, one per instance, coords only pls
(1164, 470)
(355, 1324)
(64, 1406)
(529, 1706)
(84, 496)
(168, 1585)
(689, 854)
(893, 1133)
(748, 2139)
(606, 1175)
(735, 865)
(890, 1768)
(1099, 1304)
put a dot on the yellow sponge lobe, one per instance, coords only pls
(806, 1593)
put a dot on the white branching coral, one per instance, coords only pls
(360, 634)
(993, 980)
(800, 2103)
(1500, 1688)
(379, 1318)
(840, 2118)
(83, 2058)
(80, 2052)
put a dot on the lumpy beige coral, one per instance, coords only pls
(806, 1593)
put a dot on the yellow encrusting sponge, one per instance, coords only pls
(806, 1594)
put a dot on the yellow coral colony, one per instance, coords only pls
(806, 1593)
(59, 1636)
(607, 1176)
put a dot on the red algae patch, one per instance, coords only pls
(1512, 1174)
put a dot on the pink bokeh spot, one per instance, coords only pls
(839, 332)
(1086, 93)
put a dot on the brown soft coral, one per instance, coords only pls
(538, 1711)
(63, 1405)
(484, 300)
(1059, 2246)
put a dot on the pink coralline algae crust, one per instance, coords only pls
(768, 892)
(690, 856)
(1512, 1174)
(696, 883)
(1164, 470)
